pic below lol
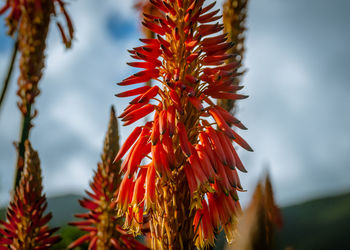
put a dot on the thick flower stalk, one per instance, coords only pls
(31, 19)
(104, 231)
(26, 226)
(181, 168)
(235, 13)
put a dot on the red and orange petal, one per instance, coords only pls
(203, 224)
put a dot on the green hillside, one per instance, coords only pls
(63, 209)
(317, 224)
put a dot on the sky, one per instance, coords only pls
(297, 112)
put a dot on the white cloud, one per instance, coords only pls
(70, 178)
(77, 120)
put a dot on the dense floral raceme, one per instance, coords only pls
(104, 231)
(25, 227)
(181, 167)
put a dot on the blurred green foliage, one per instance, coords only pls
(69, 234)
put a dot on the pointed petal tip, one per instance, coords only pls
(250, 149)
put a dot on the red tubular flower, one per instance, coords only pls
(203, 224)
(104, 231)
(189, 159)
(26, 225)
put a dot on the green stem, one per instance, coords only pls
(25, 129)
(9, 73)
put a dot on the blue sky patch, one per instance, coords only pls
(119, 28)
(5, 40)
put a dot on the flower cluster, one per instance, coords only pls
(103, 228)
(182, 167)
(26, 227)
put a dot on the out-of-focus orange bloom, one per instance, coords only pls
(258, 222)
(16, 8)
